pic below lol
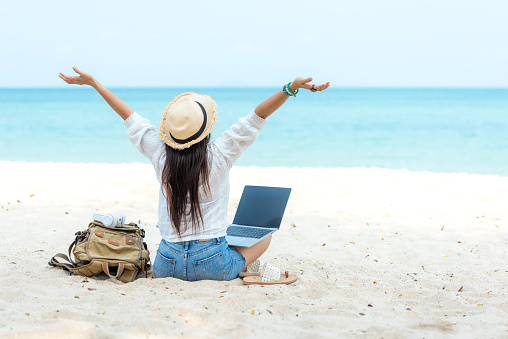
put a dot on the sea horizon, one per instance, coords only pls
(451, 130)
(332, 87)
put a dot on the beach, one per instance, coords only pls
(378, 253)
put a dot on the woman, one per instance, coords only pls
(194, 178)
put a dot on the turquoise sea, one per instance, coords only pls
(444, 130)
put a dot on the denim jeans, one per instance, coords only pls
(198, 260)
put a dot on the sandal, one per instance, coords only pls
(260, 273)
(252, 269)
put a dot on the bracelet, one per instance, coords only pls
(288, 90)
(285, 91)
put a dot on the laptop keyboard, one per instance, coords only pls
(247, 232)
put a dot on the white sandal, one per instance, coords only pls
(252, 269)
(261, 273)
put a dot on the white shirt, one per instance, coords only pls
(223, 152)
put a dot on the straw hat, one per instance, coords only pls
(187, 120)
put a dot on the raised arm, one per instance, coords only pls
(116, 104)
(270, 105)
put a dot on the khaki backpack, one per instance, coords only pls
(119, 252)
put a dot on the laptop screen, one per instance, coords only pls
(262, 206)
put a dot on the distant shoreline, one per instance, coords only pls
(268, 168)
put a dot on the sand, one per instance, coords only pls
(378, 253)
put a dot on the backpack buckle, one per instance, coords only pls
(81, 235)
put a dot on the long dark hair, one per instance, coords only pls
(184, 172)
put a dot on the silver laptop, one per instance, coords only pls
(259, 214)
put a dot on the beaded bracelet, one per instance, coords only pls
(285, 91)
(288, 90)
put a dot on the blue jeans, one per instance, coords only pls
(198, 260)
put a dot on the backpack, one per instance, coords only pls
(119, 252)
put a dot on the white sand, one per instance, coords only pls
(378, 253)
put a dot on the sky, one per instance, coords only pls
(361, 43)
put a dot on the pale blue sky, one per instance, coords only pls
(426, 43)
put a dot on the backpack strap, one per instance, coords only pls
(68, 266)
(71, 246)
(125, 272)
(72, 264)
(105, 268)
(90, 269)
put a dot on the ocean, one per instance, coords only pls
(440, 130)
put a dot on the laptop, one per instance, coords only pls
(259, 214)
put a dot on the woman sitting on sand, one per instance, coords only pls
(194, 178)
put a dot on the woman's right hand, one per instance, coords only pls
(306, 83)
(82, 79)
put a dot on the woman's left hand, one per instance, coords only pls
(306, 83)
